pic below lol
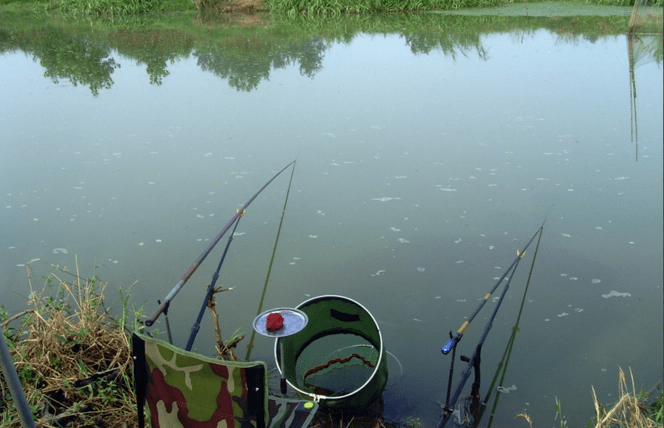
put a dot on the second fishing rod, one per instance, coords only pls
(451, 344)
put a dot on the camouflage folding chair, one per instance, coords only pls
(187, 390)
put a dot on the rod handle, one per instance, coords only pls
(449, 346)
(162, 308)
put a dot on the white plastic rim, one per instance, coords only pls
(316, 397)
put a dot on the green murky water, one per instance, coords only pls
(429, 148)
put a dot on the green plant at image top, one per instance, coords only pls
(106, 7)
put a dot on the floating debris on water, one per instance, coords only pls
(157, 240)
(566, 235)
(403, 241)
(564, 314)
(506, 390)
(457, 241)
(384, 199)
(395, 229)
(614, 293)
(459, 261)
(421, 269)
(380, 272)
(60, 250)
(596, 281)
(313, 236)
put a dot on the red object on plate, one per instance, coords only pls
(274, 322)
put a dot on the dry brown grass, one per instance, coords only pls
(335, 421)
(628, 412)
(72, 356)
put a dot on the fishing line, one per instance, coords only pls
(510, 344)
(450, 403)
(250, 346)
(474, 361)
(167, 301)
(451, 344)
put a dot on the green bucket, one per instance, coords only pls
(338, 359)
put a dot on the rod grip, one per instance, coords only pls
(449, 346)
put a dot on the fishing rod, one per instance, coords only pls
(167, 301)
(210, 290)
(15, 389)
(474, 361)
(269, 268)
(451, 344)
(510, 344)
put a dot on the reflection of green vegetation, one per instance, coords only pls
(247, 61)
(86, 51)
(70, 56)
(155, 49)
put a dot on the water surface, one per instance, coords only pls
(421, 169)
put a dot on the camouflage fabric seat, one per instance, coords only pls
(187, 390)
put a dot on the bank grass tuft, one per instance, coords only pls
(630, 411)
(72, 356)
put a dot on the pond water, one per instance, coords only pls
(421, 169)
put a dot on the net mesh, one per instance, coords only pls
(336, 365)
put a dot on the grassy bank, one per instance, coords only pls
(72, 356)
(113, 8)
(73, 359)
